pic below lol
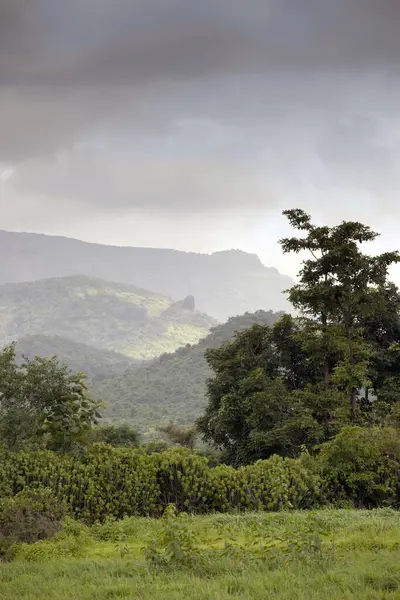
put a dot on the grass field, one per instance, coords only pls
(335, 554)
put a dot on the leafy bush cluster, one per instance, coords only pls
(28, 517)
(116, 482)
(359, 467)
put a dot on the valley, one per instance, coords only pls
(136, 321)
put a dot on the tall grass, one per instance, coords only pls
(360, 561)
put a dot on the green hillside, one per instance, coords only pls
(171, 387)
(111, 316)
(94, 362)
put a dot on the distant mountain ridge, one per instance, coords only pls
(224, 284)
(108, 316)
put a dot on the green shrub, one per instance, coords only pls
(175, 546)
(360, 466)
(120, 436)
(274, 484)
(183, 480)
(363, 465)
(108, 531)
(73, 541)
(30, 516)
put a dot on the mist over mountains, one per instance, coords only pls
(224, 284)
(137, 321)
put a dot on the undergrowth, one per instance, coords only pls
(288, 555)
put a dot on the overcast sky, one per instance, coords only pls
(193, 124)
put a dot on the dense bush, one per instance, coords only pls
(120, 436)
(273, 484)
(363, 466)
(30, 516)
(360, 466)
(114, 482)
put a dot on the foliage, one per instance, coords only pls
(154, 447)
(277, 390)
(342, 290)
(110, 482)
(43, 403)
(116, 435)
(360, 466)
(363, 465)
(28, 517)
(180, 436)
(261, 402)
(175, 546)
(273, 484)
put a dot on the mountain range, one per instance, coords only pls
(224, 284)
(137, 321)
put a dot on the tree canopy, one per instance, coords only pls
(43, 404)
(297, 384)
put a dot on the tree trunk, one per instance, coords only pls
(326, 362)
(353, 401)
(326, 375)
(353, 390)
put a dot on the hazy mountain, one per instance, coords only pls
(171, 387)
(122, 318)
(94, 362)
(224, 284)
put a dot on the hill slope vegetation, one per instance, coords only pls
(224, 284)
(171, 387)
(116, 317)
(94, 362)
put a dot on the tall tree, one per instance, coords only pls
(337, 289)
(276, 389)
(259, 402)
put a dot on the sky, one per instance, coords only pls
(192, 125)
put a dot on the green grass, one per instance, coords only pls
(361, 561)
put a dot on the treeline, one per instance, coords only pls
(360, 468)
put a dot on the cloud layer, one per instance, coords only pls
(178, 108)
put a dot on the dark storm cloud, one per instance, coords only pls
(67, 66)
(277, 76)
(84, 42)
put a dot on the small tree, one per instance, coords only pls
(180, 436)
(43, 404)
